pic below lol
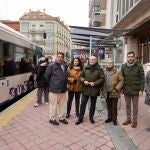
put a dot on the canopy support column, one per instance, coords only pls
(90, 46)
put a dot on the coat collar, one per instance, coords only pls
(114, 70)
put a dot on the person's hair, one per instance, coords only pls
(61, 53)
(131, 52)
(72, 63)
(110, 59)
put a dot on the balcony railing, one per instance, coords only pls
(39, 42)
(37, 31)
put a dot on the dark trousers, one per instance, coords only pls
(112, 107)
(40, 91)
(84, 101)
(70, 99)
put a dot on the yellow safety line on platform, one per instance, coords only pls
(11, 112)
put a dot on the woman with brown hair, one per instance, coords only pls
(74, 71)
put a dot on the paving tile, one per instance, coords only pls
(90, 147)
(2, 142)
(75, 147)
(29, 144)
(143, 147)
(3, 132)
(105, 147)
(16, 146)
(35, 147)
(110, 144)
(44, 146)
(102, 140)
(5, 147)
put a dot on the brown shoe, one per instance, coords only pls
(134, 124)
(126, 122)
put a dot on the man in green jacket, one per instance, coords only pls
(133, 74)
(92, 79)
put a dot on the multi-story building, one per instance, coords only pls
(47, 31)
(97, 13)
(13, 24)
(133, 15)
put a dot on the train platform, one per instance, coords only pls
(24, 127)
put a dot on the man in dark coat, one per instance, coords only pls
(56, 76)
(133, 74)
(92, 79)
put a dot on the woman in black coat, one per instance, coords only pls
(42, 85)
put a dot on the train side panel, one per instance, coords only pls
(13, 86)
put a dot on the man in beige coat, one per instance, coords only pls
(112, 87)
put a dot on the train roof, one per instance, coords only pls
(10, 35)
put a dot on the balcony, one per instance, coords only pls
(39, 42)
(96, 18)
(37, 31)
(96, 24)
(94, 6)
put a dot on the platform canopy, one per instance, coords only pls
(83, 35)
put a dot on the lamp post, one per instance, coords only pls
(90, 46)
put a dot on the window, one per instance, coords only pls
(49, 27)
(135, 1)
(24, 26)
(123, 8)
(120, 9)
(127, 5)
(33, 27)
(33, 37)
(131, 3)
(25, 34)
(96, 8)
(41, 27)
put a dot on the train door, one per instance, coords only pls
(4, 83)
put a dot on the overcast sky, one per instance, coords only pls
(72, 12)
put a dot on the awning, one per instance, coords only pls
(81, 35)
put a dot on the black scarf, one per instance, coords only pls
(92, 67)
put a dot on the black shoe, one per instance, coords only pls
(115, 122)
(147, 129)
(67, 115)
(53, 122)
(64, 121)
(92, 121)
(108, 120)
(78, 122)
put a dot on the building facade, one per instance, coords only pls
(13, 24)
(135, 16)
(49, 32)
(97, 13)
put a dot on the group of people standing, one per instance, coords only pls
(66, 82)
